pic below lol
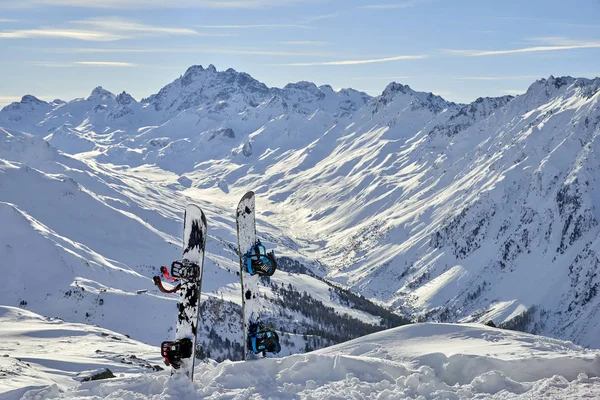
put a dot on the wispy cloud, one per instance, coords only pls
(255, 26)
(141, 4)
(100, 30)
(353, 62)
(551, 44)
(78, 34)
(8, 20)
(559, 41)
(321, 17)
(83, 63)
(118, 24)
(300, 23)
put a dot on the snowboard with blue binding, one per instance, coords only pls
(254, 263)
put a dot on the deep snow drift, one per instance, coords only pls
(424, 361)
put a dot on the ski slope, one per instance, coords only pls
(420, 361)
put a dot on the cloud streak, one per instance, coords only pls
(551, 44)
(353, 62)
(123, 25)
(101, 30)
(255, 26)
(321, 17)
(53, 33)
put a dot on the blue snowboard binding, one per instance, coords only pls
(262, 340)
(259, 262)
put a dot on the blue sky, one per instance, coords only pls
(459, 49)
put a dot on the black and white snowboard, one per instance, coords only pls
(194, 244)
(246, 230)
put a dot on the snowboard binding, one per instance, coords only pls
(174, 352)
(182, 270)
(259, 262)
(262, 340)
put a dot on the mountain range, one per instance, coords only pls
(434, 210)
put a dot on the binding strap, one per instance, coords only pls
(165, 272)
(158, 282)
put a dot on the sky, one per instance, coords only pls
(460, 50)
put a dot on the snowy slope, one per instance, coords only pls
(82, 240)
(38, 351)
(425, 361)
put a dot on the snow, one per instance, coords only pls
(37, 351)
(420, 361)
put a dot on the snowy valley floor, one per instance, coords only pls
(42, 358)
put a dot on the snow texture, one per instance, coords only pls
(420, 361)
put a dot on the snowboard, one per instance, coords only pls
(194, 244)
(246, 232)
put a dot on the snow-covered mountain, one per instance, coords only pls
(444, 211)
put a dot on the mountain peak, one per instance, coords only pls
(198, 69)
(30, 99)
(99, 93)
(394, 88)
(198, 72)
(302, 85)
(125, 98)
(557, 83)
(28, 102)
(193, 69)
